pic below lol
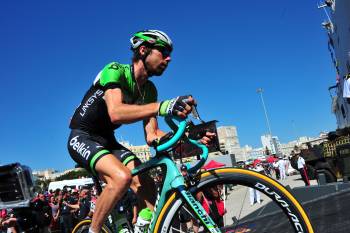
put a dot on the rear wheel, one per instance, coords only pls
(276, 211)
(83, 227)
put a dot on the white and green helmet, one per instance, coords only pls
(152, 37)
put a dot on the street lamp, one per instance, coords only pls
(260, 91)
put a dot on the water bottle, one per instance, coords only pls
(143, 221)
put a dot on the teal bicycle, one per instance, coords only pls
(179, 194)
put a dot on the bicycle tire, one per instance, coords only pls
(294, 212)
(83, 227)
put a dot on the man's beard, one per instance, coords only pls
(158, 72)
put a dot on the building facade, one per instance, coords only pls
(271, 143)
(256, 153)
(47, 174)
(228, 139)
(142, 152)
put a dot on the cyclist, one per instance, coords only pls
(123, 94)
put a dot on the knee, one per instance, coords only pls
(128, 177)
(121, 180)
(124, 178)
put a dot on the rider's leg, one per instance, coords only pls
(144, 187)
(118, 179)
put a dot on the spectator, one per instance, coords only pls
(213, 204)
(302, 169)
(42, 213)
(7, 222)
(83, 204)
(65, 212)
(287, 165)
(277, 170)
(3, 216)
(267, 168)
(54, 207)
(254, 195)
(20, 220)
(57, 192)
(282, 168)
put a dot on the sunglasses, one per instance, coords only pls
(164, 51)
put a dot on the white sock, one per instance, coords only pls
(91, 231)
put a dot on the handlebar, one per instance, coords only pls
(179, 130)
(178, 134)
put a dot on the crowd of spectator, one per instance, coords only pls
(59, 211)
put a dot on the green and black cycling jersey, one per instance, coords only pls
(92, 115)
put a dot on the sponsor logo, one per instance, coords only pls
(80, 147)
(283, 203)
(196, 207)
(90, 101)
(115, 66)
(171, 105)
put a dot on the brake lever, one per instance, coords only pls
(195, 114)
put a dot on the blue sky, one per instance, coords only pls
(50, 52)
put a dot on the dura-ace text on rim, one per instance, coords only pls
(282, 202)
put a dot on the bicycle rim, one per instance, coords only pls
(83, 227)
(278, 210)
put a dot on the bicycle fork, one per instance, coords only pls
(202, 215)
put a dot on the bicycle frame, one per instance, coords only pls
(174, 181)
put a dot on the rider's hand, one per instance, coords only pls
(180, 106)
(207, 138)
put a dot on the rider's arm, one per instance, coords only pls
(121, 113)
(113, 78)
(152, 131)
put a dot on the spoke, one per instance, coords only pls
(236, 223)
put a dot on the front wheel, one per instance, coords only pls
(83, 227)
(238, 200)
